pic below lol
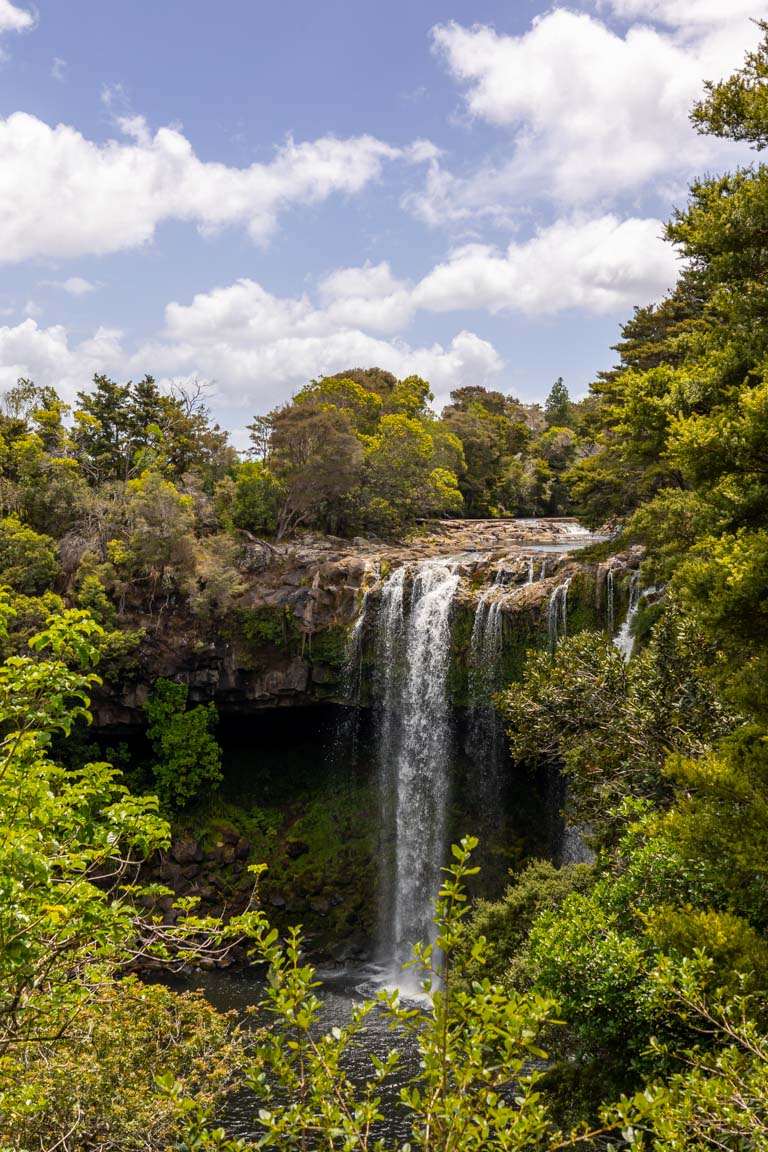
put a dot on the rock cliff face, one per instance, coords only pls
(287, 643)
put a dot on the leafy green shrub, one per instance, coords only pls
(189, 758)
(27, 558)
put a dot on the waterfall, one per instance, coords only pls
(610, 598)
(485, 645)
(415, 732)
(557, 614)
(624, 640)
(346, 737)
(530, 570)
(484, 743)
(352, 672)
(485, 651)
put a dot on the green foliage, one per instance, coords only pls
(92, 597)
(506, 923)
(256, 499)
(612, 725)
(216, 586)
(557, 406)
(264, 626)
(160, 521)
(27, 559)
(80, 1047)
(99, 1081)
(188, 761)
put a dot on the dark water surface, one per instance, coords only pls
(340, 991)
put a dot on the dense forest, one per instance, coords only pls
(626, 999)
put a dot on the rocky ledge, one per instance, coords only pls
(286, 643)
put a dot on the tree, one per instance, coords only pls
(160, 523)
(256, 499)
(188, 761)
(80, 1046)
(557, 407)
(317, 458)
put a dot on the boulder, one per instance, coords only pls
(186, 850)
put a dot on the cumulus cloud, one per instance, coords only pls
(597, 265)
(247, 338)
(368, 297)
(256, 348)
(13, 18)
(48, 356)
(685, 13)
(590, 112)
(62, 195)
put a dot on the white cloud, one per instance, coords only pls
(685, 13)
(59, 69)
(246, 339)
(256, 349)
(593, 113)
(62, 195)
(13, 18)
(33, 310)
(47, 356)
(368, 297)
(74, 286)
(597, 265)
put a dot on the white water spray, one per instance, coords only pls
(557, 614)
(624, 640)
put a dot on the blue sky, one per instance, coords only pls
(253, 194)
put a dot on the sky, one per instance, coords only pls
(252, 195)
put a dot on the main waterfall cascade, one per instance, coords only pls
(415, 733)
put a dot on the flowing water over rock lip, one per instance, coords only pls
(624, 640)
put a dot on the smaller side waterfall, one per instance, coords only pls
(485, 645)
(624, 640)
(348, 726)
(352, 672)
(610, 598)
(531, 576)
(557, 614)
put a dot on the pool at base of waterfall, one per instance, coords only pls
(340, 991)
